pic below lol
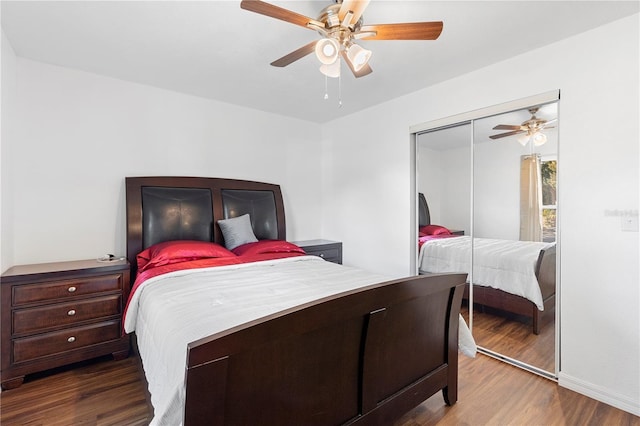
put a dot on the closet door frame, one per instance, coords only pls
(469, 118)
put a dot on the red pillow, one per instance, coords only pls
(170, 252)
(434, 230)
(267, 246)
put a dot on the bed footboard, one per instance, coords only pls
(545, 270)
(362, 357)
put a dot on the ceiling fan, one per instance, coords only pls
(532, 129)
(340, 25)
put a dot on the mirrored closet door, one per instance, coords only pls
(514, 234)
(490, 179)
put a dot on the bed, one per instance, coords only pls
(268, 334)
(516, 277)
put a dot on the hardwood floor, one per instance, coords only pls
(107, 392)
(98, 392)
(509, 335)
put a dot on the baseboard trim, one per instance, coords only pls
(599, 393)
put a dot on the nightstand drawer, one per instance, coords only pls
(330, 251)
(64, 289)
(52, 316)
(42, 345)
(331, 254)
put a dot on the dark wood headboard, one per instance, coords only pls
(166, 208)
(424, 217)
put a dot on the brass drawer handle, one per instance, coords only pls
(71, 339)
(71, 289)
(71, 312)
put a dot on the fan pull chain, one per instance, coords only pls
(326, 87)
(340, 88)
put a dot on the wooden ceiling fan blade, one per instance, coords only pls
(354, 6)
(276, 12)
(295, 55)
(404, 31)
(507, 127)
(504, 135)
(365, 70)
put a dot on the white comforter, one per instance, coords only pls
(183, 306)
(503, 264)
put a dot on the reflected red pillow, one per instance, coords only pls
(170, 252)
(433, 230)
(267, 246)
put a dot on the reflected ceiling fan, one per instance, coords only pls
(340, 25)
(532, 129)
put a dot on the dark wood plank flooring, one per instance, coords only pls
(96, 392)
(107, 392)
(510, 335)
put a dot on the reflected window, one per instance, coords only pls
(548, 172)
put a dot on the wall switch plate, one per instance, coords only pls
(629, 223)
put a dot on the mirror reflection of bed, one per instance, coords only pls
(514, 279)
(503, 322)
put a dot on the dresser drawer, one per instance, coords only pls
(64, 289)
(29, 348)
(39, 319)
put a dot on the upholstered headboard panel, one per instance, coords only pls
(424, 218)
(259, 205)
(176, 214)
(188, 208)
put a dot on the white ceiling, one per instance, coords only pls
(216, 50)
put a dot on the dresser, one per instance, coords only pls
(326, 249)
(55, 314)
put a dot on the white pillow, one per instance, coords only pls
(237, 231)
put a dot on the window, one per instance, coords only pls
(549, 196)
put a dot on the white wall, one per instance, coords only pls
(8, 100)
(367, 203)
(77, 135)
(429, 177)
(444, 176)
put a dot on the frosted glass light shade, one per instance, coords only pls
(539, 139)
(358, 56)
(331, 70)
(327, 50)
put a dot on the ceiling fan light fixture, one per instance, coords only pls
(327, 50)
(536, 138)
(358, 56)
(539, 139)
(331, 70)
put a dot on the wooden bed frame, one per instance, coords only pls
(361, 357)
(545, 271)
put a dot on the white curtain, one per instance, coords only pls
(530, 199)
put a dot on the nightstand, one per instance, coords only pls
(55, 314)
(326, 249)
